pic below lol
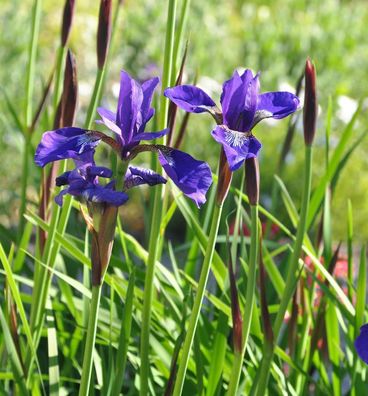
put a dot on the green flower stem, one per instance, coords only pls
(95, 97)
(291, 276)
(183, 364)
(36, 16)
(59, 76)
(90, 341)
(157, 208)
(249, 303)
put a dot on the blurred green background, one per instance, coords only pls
(273, 37)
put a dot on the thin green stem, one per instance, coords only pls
(59, 76)
(90, 341)
(157, 209)
(249, 303)
(183, 364)
(36, 16)
(148, 292)
(291, 279)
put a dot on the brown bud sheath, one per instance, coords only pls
(310, 103)
(102, 243)
(224, 179)
(67, 21)
(103, 32)
(252, 180)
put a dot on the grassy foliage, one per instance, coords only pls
(163, 315)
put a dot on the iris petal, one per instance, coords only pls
(239, 100)
(149, 135)
(64, 143)
(190, 98)
(276, 105)
(361, 343)
(138, 176)
(99, 194)
(129, 105)
(237, 145)
(191, 176)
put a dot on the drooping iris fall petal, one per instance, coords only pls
(237, 145)
(137, 176)
(191, 176)
(64, 143)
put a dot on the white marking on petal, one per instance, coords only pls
(235, 139)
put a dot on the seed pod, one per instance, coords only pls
(252, 180)
(310, 103)
(103, 32)
(67, 21)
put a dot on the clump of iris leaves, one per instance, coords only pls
(249, 303)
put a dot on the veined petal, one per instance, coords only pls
(99, 194)
(108, 118)
(149, 135)
(276, 105)
(129, 105)
(361, 343)
(137, 176)
(237, 145)
(239, 100)
(190, 98)
(148, 88)
(101, 171)
(64, 143)
(191, 176)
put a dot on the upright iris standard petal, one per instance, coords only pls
(108, 118)
(129, 105)
(238, 146)
(276, 105)
(361, 343)
(191, 176)
(146, 111)
(138, 176)
(190, 98)
(64, 143)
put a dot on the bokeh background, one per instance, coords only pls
(273, 37)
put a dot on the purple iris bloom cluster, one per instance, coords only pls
(133, 112)
(242, 108)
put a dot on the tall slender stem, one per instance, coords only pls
(36, 16)
(90, 341)
(291, 279)
(157, 208)
(249, 303)
(183, 364)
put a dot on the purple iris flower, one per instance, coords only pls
(128, 123)
(83, 182)
(361, 343)
(133, 113)
(242, 108)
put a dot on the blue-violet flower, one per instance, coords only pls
(242, 108)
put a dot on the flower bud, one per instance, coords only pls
(67, 21)
(224, 179)
(66, 111)
(103, 32)
(310, 103)
(102, 242)
(252, 180)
